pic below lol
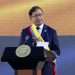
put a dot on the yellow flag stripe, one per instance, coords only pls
(37, 34)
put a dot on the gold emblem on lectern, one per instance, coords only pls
(23, 51)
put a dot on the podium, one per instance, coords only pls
(26, 65)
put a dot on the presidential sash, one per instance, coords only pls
(37, 34)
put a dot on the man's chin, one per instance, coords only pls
(39, 24)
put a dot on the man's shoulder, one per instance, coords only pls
(45, 25)
(49, 28)
(26, 28)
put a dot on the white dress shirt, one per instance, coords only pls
(41, 28)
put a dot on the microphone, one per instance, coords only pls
(37, 27)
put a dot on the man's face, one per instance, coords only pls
(37, 17)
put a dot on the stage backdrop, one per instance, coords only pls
(59, 14)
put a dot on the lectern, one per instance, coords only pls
(25, 65)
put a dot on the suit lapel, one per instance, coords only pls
(44, 33)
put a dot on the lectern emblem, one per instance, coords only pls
(23, 51)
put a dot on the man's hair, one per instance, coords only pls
(33, 9)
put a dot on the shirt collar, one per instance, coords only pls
(41, 26)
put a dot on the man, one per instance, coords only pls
(39, 31)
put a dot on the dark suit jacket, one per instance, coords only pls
(48, 34)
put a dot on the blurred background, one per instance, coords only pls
(59, 14)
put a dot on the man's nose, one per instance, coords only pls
(39, 18)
